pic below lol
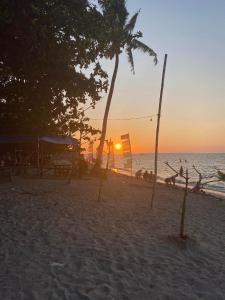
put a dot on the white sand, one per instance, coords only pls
(57, 242)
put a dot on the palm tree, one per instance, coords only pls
(119, 36)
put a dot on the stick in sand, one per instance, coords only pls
(157, 131)
(183, 211)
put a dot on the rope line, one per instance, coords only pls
(126, 119)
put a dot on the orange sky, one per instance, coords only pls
(174, 137)
(186, 126)
(193, 108)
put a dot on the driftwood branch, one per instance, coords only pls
(174, 170)
(183, 210)
(216, 180)
(199, 185)
(205, 177)
(200, 174)
(197, 171)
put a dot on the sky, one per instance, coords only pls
(192, 33)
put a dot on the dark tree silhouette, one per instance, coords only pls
(46, 49)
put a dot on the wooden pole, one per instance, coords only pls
(157, 131)
(183, 213)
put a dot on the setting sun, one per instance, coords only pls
(118, 146)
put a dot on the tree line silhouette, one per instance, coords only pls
(51, 62)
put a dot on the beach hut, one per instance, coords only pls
(10, 152)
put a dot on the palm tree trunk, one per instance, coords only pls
(105, 119)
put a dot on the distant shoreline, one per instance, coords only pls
(152, 153)
(207, 164)
(215, 194)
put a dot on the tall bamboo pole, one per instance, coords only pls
(157, 131)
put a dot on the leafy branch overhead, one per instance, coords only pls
(50, 64)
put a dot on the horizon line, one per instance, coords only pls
(180, 152)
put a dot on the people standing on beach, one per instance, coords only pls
(181, 172)
(197, 187)
(151, 176)
(171, 180)
(146, 176)
(138, 174)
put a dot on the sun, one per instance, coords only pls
(118, 146)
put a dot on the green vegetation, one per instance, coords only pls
(221, 176)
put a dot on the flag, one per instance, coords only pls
(126, 146)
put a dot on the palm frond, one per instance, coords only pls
(144, 48)
(130, 58)
(131, 24)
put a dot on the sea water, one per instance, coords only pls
(206, 163)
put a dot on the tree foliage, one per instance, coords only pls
(49, 64)
(221, 176)
(120, 33)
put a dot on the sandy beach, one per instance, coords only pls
(58, 242)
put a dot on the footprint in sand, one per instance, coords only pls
(101, 292)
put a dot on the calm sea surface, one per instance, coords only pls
(206, 163)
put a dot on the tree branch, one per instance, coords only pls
(174, 170)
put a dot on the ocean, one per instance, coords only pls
(206, 163)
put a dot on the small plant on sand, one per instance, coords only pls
(220, 175)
